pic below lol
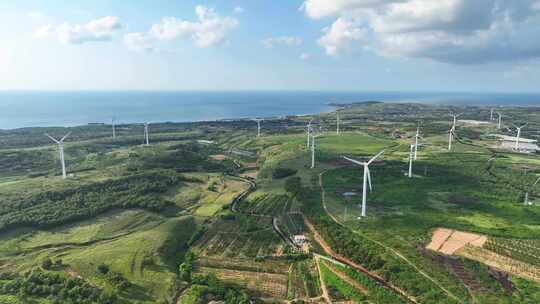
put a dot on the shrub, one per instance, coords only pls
(103, 269)
(46, 264)
(280, 173)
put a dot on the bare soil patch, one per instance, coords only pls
(448, 241)
(219, 157)
(250, 174)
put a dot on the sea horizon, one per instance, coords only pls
(43, 108)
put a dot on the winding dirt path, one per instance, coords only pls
(325, 294)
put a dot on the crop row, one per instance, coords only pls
(266, 204)
(516, 249)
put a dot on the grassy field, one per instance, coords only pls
(143, 212)
(145, 248)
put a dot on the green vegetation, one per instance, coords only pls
(56, 207)
(343, 289)
(210, 286)
(161, 223)
(56, 288)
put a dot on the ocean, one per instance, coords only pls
(20, 109)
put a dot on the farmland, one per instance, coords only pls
(209, 212)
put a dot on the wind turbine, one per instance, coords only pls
(146, 136)
(411, 157)
(491, 115)
(499, 125)
(526, 202)
(61, 150)
(309, 131)
(258, 120)
(518, 134)
(113, 128)
(367, 178)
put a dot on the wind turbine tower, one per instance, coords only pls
(313, 136)
(61, 151)
(518, 135)
(367, 178)
(452, 132)
(411, 157)
(258, 120)
(146, 136)
(451, 137)
(416, 139)
(337, 122)
(499, 125)
(309, 131)
(455, 118)
(113, 128)
(491, 115)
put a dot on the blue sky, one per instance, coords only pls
(358, 45)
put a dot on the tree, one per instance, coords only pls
(293, 185)
(46, 264)
(58, 263)
(184, 271)
(103, 269)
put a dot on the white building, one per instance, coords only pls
(525, 145)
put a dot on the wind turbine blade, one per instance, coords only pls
(52, 138)
(354, 161)
(375, 157)
(369, 178)
(61, 140)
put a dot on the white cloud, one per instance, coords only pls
(139, 42)
(305, 56)
(340, 36)
(456, 31)
(283, 40)
(210, 29)
(36, 15)
(95, 30)
(327, 8)
(239, 10)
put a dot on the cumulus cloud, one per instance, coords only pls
(340, 36)
(95, 30)
(239, 10)
(139, 42)
(283, 40)
(455, 31)
(324, 8)
(209, 30)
